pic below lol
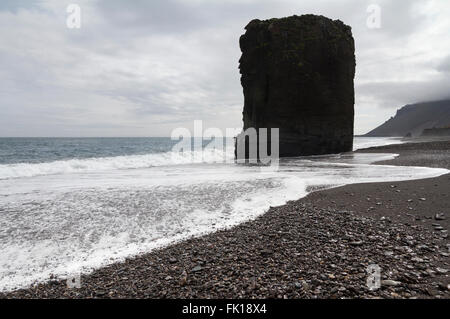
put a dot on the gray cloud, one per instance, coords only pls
(146, 67)
(15, 5)
(394, 94)
(444, 66)
(151, 17)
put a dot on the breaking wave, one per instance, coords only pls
(20, 170)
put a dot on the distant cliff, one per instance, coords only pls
(413, 119)
(297, 75)
(443, 131)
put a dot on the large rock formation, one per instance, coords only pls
(297, 75)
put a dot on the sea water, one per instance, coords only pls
(70, 205)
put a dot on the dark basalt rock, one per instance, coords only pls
(297, 75)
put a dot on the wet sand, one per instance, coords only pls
(317, 247)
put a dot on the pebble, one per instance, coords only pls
(315, 249)
(444, 287)
(100, 293)
(266, 252)
(183, 279)
(441, 270)
(391, 283)
(357, 243)
(197, 269)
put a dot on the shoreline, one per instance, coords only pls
(316, 247)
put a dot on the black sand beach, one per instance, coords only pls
(317, 247)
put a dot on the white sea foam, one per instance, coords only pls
(19, 170)
(66, 223)
(366, 142)
(109, 163)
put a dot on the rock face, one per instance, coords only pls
(297, 75)
(411, 120)
(436, 131)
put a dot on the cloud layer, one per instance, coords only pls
(142, 68)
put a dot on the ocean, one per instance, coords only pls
(71, 205)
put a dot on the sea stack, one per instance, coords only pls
(297, 75)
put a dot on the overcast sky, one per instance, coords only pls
(143, 68)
